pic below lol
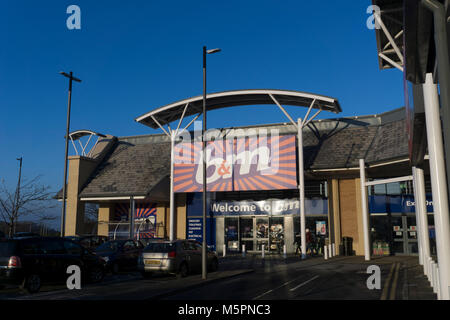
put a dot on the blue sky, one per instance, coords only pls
(134, 56)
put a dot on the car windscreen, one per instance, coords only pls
(108, 247)
(7, 248)
(160, 247)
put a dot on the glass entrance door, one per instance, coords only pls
(262, 233)
(404, 235)
(247, 231)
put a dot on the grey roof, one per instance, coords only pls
(136, 165)
(130, 169)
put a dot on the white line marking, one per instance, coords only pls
(304, 283)
(267, 292)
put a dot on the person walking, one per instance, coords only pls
(298, 243)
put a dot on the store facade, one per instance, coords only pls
(253, 197)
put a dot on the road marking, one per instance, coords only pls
(267, 292)
(386, 284)
(304, 283)
(394, 284)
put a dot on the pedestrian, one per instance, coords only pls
(298, 243)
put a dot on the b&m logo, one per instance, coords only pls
(241, 164)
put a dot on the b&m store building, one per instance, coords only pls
(252, 203)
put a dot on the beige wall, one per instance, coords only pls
(161, 221)
(350, 212)
(180, 216)
(334, 211)
(79, 171)
(105, 215)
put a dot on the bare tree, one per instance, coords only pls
(33, 200)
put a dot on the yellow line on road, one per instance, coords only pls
(394, 284)
(386, 284)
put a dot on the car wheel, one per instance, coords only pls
(32, 283)
(214, 266)
(115, 268)
(96, 274)
(184, 270)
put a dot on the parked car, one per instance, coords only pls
(120, 255)
(29, 262)
(180, 257)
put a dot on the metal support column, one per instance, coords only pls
(438, 183)
(418, 213)
(132, 212)
(421, 209)
(172, 194)
(301, 187)
(365, 209)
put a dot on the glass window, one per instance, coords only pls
(160, 247)
(52, 247)
(108, 246)
(262, 228)
(72, 248)
(30, 247)
(129, 245)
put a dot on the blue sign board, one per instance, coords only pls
(396, 204)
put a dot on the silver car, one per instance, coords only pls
(180, 257)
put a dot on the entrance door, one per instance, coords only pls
(404, 235)
(247, 230)
(262, 233)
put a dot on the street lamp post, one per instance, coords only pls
(17, 197)
(63, 213)
(204, 250)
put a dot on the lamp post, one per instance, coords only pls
(204, 251)
(63, 213)
(17, 197)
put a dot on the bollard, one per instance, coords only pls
(284, 252)
(334, 249)
(262, 252)
(224, 250)
(329, 251)
(243, 250)
(325, 253)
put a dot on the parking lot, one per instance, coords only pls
(254, 278)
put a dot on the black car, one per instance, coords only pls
(29, 262)
(120, 255)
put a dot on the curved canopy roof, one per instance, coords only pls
(75, 135)
(175, 111)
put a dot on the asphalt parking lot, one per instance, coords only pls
(254, 278)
